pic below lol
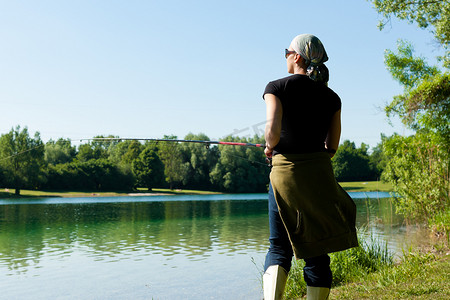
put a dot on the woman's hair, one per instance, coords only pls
(313, 52)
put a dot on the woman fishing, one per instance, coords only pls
(310, 215)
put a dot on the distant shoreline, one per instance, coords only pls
(9, 193)
(356, 186)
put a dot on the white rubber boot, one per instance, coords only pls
(317, 293)
(274, 282)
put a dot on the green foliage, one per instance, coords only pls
(199, 160)
(429, 104)
(2, 176)
(21, 157)
(405, 68)
(426, 101)
(416, 276)
(440, 224)
(346, 266)
(353, 164)
(432, 14)
(148, 168)
(378, 160)
(124, 165)
(295, 284)
(94, 174)
(175, 169)
(351, 264)
(96, 149)
(59, 152)
(240, 169)
(124, 152)
(418, 168)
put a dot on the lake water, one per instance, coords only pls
(151, 247)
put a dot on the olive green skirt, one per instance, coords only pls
(318, 214)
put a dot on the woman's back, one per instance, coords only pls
(308, 107)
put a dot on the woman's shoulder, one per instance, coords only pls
(331, 92)
(284, 83)
(295, 77)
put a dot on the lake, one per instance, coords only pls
(152, 247)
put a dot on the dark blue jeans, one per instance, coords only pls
(317, 270)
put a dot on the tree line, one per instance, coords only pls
(27, 163)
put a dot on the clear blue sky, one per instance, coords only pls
(76, 69)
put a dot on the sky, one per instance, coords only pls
(145, 69)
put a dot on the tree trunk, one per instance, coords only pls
(17, 193)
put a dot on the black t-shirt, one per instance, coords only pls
(308, 107)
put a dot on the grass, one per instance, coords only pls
(368, 272)
(346, 266)
(417, 276)
(440, 224)
(186, 192)
(9, 193)
(366, 186)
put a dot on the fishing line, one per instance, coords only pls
(267, 163)
(22, 152)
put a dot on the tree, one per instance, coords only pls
(2, 177)
(95, 174)
(148, 168)
(59, 152)
(96, 149)
(425, 104)
(430, 14)
(378, 159)
(174, 168)
(418, 170)
(418, 165)
(125, 152)
(241, 169)
(351, 163)
(21, 158)
(199, 160)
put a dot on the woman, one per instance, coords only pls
(310, 215)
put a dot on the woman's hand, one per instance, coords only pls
(268, 152)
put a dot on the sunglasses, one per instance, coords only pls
(288, 52)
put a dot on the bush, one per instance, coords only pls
(418, 170)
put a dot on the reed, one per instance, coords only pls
(346, 266)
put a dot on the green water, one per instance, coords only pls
(191, 247)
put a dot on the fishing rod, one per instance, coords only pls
(207, 143)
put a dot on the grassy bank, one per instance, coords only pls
(417, 276)
(9, 193)
(368, 272)
(367, 186)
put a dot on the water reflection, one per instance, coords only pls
(130, 230)
(377, 218)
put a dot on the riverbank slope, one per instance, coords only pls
(420, 275)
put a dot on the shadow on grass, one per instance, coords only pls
(352, 188)
(12, 195)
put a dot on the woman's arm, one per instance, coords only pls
(334, 134)
(274, 113)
